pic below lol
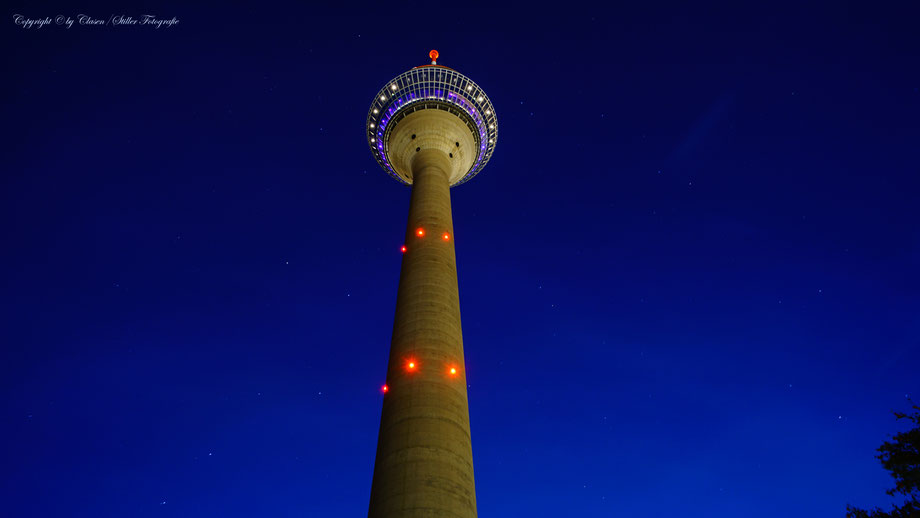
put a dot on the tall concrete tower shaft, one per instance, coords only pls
(424, 461)
(430, 128)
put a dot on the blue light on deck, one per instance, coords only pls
(441, 85)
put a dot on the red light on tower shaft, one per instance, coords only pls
(446, 236)
(403, 249)
(420, 232)
(385, 389)
(453, 371)
(411, 365)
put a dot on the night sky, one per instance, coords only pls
(688, 275)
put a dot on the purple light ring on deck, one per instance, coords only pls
(426, 83)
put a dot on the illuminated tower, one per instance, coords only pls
(431, 128)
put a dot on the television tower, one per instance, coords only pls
(431, 128)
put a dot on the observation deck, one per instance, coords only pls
(432, 107)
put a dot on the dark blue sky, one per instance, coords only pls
(688, 275)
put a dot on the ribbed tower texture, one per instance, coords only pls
(431, 128)
(424, 455)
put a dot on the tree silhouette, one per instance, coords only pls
(900, 456)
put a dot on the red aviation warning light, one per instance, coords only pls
(403, 249)
(453, 371)
(446, 237)
(385, 389)
(420, 232)
(411, 365)
(434, 57)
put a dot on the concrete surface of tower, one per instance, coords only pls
(431, 128)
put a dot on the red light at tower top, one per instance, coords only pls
(434, 57)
